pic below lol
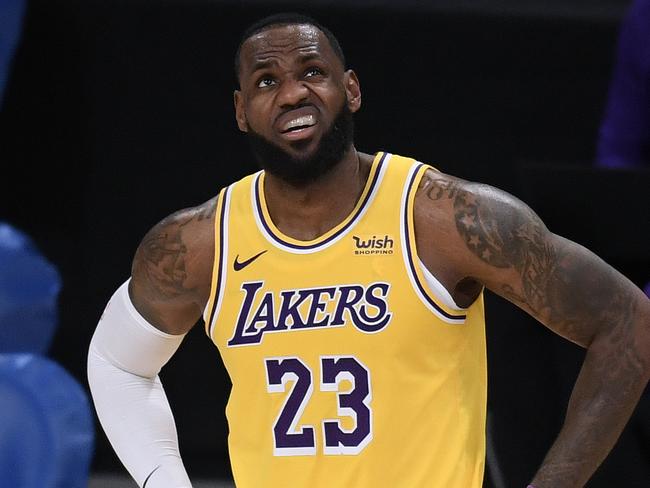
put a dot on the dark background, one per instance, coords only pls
(120, 112)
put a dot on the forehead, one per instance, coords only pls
(282, 43)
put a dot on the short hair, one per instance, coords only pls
(282, 19)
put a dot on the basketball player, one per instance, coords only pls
(344, 292)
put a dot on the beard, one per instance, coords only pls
(300, 171)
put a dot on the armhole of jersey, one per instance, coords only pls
(219, 267)
(430, 291)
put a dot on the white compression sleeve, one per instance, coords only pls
(126, 353)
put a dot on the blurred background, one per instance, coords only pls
(116, 113)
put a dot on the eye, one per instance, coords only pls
(265, 81)
(313, 72)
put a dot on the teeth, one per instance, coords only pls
(305, 120)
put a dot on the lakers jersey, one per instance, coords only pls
(350, 365)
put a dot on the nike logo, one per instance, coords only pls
(237, 266)
(147, 480)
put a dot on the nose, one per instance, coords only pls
(292, 92)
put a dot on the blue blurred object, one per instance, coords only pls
(11, 23)
(29, 290)
(46, 431)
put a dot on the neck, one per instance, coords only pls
(307, 212)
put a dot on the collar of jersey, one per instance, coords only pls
(278, 239)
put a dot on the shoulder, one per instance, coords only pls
(173, 262)
(186, 233)
(466, 204)
(473, 224)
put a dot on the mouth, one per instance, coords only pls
(298, 124)
(299, 127)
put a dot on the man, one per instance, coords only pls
(344, 292)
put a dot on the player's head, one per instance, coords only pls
(284, 19)
(295, 99)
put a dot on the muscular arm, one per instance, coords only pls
(507, 248)
(136, 336)
(170, 276)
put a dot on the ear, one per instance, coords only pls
(240, 113)
(352, 90)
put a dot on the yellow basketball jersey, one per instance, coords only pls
(348, 369)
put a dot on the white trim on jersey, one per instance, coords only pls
(438, 292)
(438, 289)
(223, 259)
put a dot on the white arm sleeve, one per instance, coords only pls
(126, 353)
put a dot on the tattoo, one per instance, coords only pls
(514, 241)
(207, 210)
(557, 284)
(160, 258)
(439, 189)
(603, 399)
(574, 293)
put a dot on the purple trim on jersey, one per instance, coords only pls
(279, 240)
(411, 262)
(222, 258)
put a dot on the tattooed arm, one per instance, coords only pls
(492, 239)
(138, 333)
(170, 276)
